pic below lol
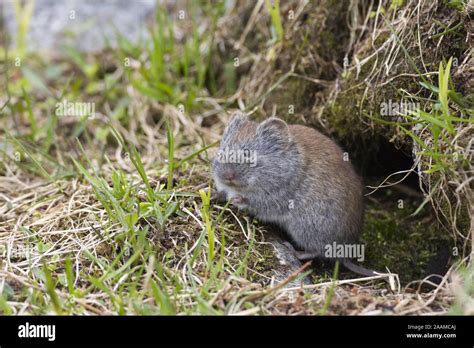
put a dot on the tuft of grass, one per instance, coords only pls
(171, 164)
(4, 307)
(459, 5)
(440, 123)
(23, 12)
(51, 290)
(463, 290)
(174, 74)
(206, 203)
(330, 294)
(274, 11)
(162, 300)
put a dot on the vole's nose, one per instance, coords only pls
(229, 174)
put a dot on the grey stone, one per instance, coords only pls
(84, 24)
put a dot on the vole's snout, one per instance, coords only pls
(229, 174)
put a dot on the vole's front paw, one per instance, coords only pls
(218, 196)
(240, 202)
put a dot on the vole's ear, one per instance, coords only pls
(272, 127)
(236, 121)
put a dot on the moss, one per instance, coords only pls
(403, 244)
(292, 93)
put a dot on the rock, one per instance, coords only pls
(84, 24)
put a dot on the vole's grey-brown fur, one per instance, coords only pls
(301, 181)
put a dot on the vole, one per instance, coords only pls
(295, 177)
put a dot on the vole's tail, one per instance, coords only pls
(358, 269)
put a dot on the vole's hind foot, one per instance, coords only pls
(289, 246)
(305, 256)
(300, 255)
